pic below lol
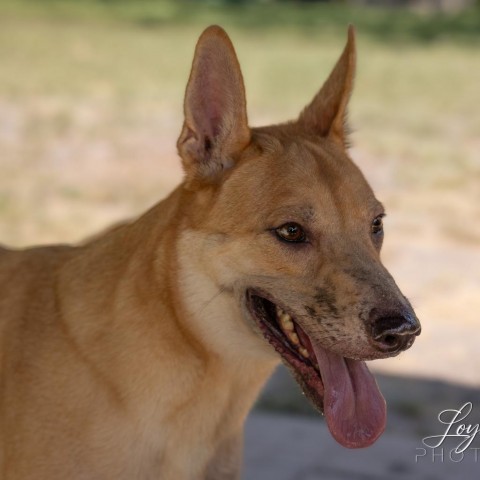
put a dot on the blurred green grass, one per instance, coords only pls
(91, 98)
(327, 17)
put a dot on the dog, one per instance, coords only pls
(138, 354)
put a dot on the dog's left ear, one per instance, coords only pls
(326, 114)
(215, 128)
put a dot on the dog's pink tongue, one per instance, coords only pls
(353, 405)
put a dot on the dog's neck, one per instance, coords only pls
(148, 273)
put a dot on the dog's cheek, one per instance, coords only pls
(230, 264)
(248, 262)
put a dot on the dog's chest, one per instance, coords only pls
(194, 440)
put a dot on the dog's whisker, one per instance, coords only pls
(214, 297)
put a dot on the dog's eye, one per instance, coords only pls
(377, 225)
(291, 232)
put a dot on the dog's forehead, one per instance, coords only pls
(306, 166)
(297, 178)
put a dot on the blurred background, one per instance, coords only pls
(91, 99)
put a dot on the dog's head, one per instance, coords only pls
(291, 230)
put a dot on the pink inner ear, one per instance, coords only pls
(215, 123)
(215, 128)
(209, 100)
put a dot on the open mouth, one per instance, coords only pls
(341, 388)
(292, 344)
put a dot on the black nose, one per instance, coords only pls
(394, 333)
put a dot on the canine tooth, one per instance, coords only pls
(287, 323)
(304, 352)
(294, 338)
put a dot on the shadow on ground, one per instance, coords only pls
(413, 403)
(287, 440)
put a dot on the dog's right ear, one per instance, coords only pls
(215, 128)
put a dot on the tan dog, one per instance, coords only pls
(139, 354)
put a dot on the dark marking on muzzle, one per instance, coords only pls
(326, 299)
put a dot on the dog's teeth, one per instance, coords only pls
(304, 352)
(285, 320)
(287, 323)
(294, 338)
